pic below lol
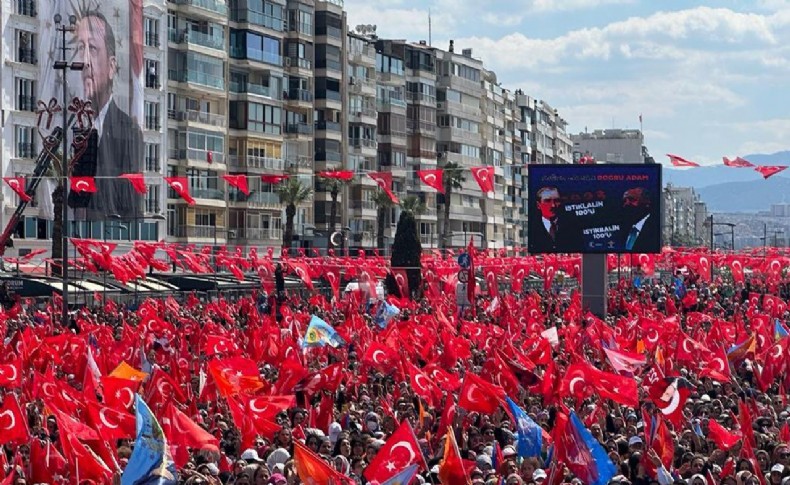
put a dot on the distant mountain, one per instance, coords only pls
(719, 174)
(751, 196)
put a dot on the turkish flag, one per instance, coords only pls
(238, 181)
(681, 162)
(83, 185)
(111, 424)
(724, 438)
(400, 451)
(181, 187)
(11, 374)
(83, 460)
(422, 385)
(484, 177)
(344, 175)
(380, 357)
(301, 270)
(312, 469)
(119, 393)
(268, 407)
(738, 162)
(669, 394)
(769, 170)
(332, 275)
(433, 178)
(161, 388)
(17, 184)
(182, 433)
(45, 462)
(137, 180)
(274, 179)
(384, 181)
(218, 345)
(479, 395)
(13, 424)
(402, 279)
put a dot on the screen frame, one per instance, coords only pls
(533, 212)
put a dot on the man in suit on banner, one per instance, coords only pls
(554, 230)
(639, 232)
(115, 143)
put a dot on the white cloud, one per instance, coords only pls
(564, 5)
(502, 20)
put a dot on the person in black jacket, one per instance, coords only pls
(554, 230)
(640, 231)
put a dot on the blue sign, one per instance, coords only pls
(464, 261)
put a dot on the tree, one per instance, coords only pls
(453, 180)
(407, 249)
(334, 186)
(383, 204)
(292, 192)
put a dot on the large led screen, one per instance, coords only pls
(608, 208)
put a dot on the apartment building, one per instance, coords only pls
(611, 146)
(30, 80)
(684, 217)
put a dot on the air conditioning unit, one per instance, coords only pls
(287, 62)
(351, 81)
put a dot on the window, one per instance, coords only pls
(26, 8)
(151, 74)
(205, 218)
(25, 142)
(26, 47)
(389, 65)
(152, 157)
(264, 118)
(466, 72)
(151, 112)
(249, 45)
(300, 21)
(25, 94)
(151, 29)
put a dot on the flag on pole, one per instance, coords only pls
(150, 463)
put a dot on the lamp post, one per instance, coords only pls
(104, 232)
(62, 65)
(231, 234)
(731, 225)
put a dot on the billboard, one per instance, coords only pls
(607, 208)
(106, 134)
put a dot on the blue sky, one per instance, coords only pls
(710, 79)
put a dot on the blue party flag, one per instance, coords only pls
(150, 463)
(319, 333)
(529, 439)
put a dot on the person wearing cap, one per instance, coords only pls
(635, 444)
(483, 462)
(278, 479)
(539, 476)
(250, 456)
(775, 476)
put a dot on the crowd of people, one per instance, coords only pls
(683, 382)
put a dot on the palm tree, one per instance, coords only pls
(453, 179)
(413, 205)
(334, 186)
(292, 192)
(58, 199)
(383, 204)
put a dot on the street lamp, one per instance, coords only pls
(62, 65)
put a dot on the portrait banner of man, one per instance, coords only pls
(107, 37)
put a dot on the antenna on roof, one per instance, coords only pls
(429, 27)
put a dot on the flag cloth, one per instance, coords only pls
(484, 176)
(433, 179)
(451, 468)
(681, 162)
(181, 187)
(405, 477)
(586, 457)
(780, 331)
(150, 463)
(17, 184)
(319, 333)
(738, 162)
(529, 437)
(137, 180)
(312, 469)
(769, 170)
(385, 313)
(85, 184)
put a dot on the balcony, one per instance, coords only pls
(26, 8)
(152, 39)
(257, 55)
(299, 62)
(329, 64)
(196, 155)
(152, 164)
(328, 95)
(197, 117)
(388, 104)
(152, 81)
(299, 161)
(25, 103)
(27, 56)
(152, 123)
(257, 234)
(363, 204)
(216, 6)
(249, 88)
(358, 85)
(300, 95)
(359, 112)
(206, 232)
(299, 129)
(303, 28)
(420, 98)
(420, 127)
(211, 194)
(196, 77)
(194, 37)
(256, 18)
(236, 162)
(328, 126)
(26, 150)
(363, 143)
(328, 157)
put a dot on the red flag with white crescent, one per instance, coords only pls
(17, 184)
(384, 181)
(83, 184)
(681, 162)
(738, 162)
(181, 186)
(137, 180)
(238, 181)
(484, 176)
(769, 170)
(433, 178)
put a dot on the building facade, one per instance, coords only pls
(611, 146)
(684, 217)
(273, 88)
